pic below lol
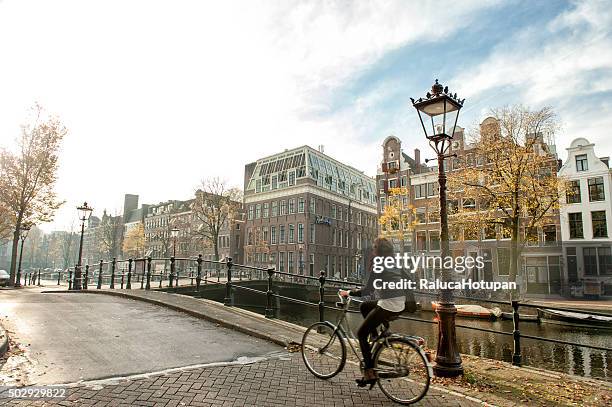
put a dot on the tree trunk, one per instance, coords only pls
(514, 255)
(13, 270)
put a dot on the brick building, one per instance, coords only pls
(308, 212)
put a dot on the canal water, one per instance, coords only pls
(564, 358)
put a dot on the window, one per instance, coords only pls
(283, 207)
(598, 219)
(334, 237)
(272, 234)
(434, 241)
(334, 212)
(550, 233)
(604, 255)
(420, 191)
(596, 189)
(291, 233)
(503, 261)
(257, 211)
(590, 260)
(301, 205)
(266, 210)
(340, 212)
(292, 205)
(575, 225)
(393, 183)
(274, 182)
(573, 192)
(469, 204)
(300, 233)
(346, 239)
(250, 212)
(403, 181)
(581, 163)
(313, 205)
(312, 233)
(290, 262)
(281, 234)
(291, 178)
(432, 189)
(265, 235)
(274, 208)
(281, 261)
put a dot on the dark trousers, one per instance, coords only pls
(374, 317)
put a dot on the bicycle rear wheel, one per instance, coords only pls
(403, 371)
(323, 350)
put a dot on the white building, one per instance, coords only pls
(586, 220)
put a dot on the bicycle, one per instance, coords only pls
(402, 366)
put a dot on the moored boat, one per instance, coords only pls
(574, 318)
(473, 311)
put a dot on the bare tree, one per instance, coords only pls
(28, 176)
(68, 247)
(110, 235)
(134, 242)
(215, 205)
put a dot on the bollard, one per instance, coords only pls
(191, 276)
(59, 277)
(148, 285)
(171, 276)
(122, 278)
(69, 279)
(322, 296)
(161, 278)
(199, 275)
(99, 286)
(39, 284)
(516, 334)
(228, 285)
(129, 282)
(113, 266)
(85, 281)
(176, 282)
(269, 310)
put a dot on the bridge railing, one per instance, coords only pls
(147, 274)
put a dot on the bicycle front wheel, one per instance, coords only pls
(403, 371)
(323, 350)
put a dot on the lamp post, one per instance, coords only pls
(23, 235)
(438, 113)
(84, 214)
(174, 233)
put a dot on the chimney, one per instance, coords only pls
(417, 156)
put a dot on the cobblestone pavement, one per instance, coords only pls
(283, 381)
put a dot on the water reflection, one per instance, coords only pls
(552, 356)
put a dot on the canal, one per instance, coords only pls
(574, 360)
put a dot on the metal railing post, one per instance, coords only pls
(516, 334)
(100, 274)
(122, 278)
(86, 280)
(142, 277)
(322, 296)
(176, 282)
(228, 285)
(69, 279)
(59, 277)
(190, 276)
(39, 284)
(269, 310)
(199, 275)
(171, 276)
(113, 266)
(148, 285)
(129, 281)
(161, 278)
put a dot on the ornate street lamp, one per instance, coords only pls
(174, 233)
(23, 235)
(438, 113)
(84, 214)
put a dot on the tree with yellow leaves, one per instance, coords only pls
(134, 242)
(510, 186)
(397, 219)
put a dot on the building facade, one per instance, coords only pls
(540, 263)
(586, 220)
(307, 212)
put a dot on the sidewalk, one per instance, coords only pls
(485, 380)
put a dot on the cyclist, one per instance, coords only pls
(383, 306)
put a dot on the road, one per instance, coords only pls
(72, 337)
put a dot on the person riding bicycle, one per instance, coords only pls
(385, 304)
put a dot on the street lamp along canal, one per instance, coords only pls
(438, 113)
(23, 235)
(84, 214)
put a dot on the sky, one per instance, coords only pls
(158, 95)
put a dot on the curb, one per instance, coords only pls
(4, 342)
(284, 342)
